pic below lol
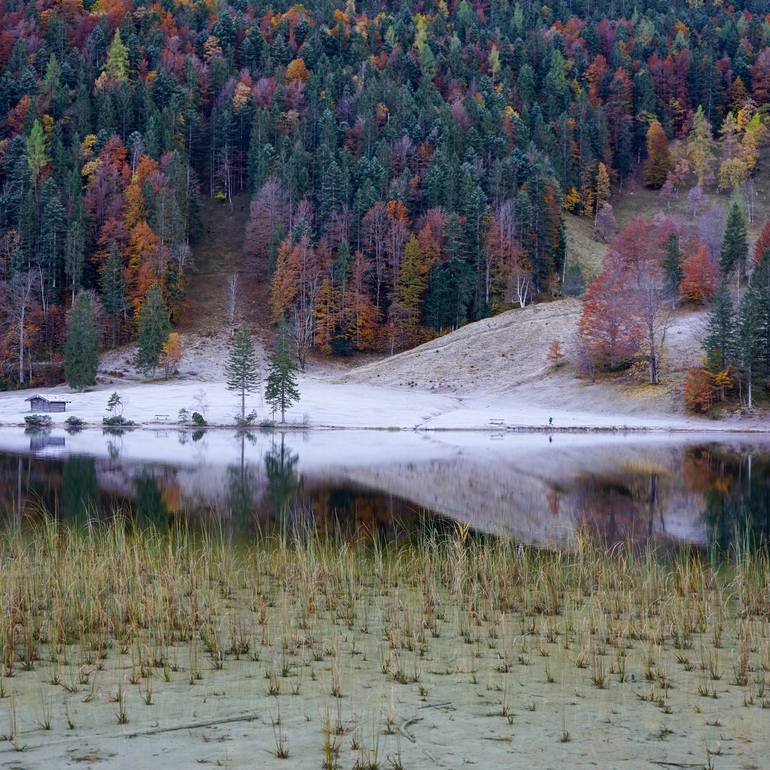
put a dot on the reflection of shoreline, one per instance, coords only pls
(535, 491)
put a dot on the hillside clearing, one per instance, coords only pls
(489, 375)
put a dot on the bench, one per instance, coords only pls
(497, 423)
(161, 417)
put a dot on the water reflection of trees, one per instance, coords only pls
(617, 508)
(283, 482)
(736, 492)
(80, 488)
(149, 503)
(698, 494)
(241, 484)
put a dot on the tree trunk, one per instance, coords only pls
(21, 346)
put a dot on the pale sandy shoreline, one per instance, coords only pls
(329, 405)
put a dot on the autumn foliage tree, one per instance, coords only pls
(700, 276)
(699, 391)
(363, 122)
(626, 311)
(171, 356)
(608, 331)
(762, 244)
(411, 289)
(658, 162)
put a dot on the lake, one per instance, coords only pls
(542, 490)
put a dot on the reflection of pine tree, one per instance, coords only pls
(79, 488)
(149, 506)
(738, 512)
(241, 484)
(282, 478)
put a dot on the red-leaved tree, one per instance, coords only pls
(626, 312)
(700, 276)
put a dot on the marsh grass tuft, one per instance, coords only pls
(316, 614)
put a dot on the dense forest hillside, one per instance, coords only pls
(409, 167)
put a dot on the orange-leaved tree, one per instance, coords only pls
(700, 276)
(658, 156)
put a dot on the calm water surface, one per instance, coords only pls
(542, 490)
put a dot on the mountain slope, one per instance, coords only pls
(507, 356)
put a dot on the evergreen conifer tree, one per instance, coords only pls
(719, 344)
(81, 350)
(154, 328)
(672, 264)
(750, 324)
(74, 255)
(113, 289)
(760, 281)
(735, 247)
(241, 368)
(281, 389)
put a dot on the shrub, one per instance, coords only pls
(699, 391)
(117, 420)
(73, 423)
(555, 355)
(39, 421)
(198, 418)
(183, 416)
(244, 422)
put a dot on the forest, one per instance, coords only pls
(409, 167)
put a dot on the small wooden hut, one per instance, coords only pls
(38, 403)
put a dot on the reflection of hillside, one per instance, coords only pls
(538, 501)
(534, 489)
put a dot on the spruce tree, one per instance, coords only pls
(81, 350)
(281, 389)
(154, 328)
(720, 343)
(241, 369)
(113, 289)
(672, 264)
(749, 338)
(760, 281)
(735, 247)
(74, 255)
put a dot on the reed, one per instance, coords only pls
(350, 620)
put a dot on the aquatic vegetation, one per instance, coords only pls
(336, 649)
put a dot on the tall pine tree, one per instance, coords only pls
(750, 333)
(281, 390)
(154, 328)
(735, 247)
(241, 369)
(81, 350)
(113, 290)
(672, 264)
(719, 344)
